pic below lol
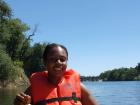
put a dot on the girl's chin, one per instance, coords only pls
(59, 75)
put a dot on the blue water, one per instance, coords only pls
(106, 93)
(115, 93)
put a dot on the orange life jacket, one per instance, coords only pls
(67, 92)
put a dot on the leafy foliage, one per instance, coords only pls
(7, 70)
(15, 48)
(5, 10)
(33, 62)
(121, 74)
(138, 68)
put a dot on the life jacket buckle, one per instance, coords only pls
(74, 97)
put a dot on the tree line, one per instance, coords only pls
(120, 74)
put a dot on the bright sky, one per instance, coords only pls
(100, 35)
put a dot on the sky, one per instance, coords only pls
(100, 35)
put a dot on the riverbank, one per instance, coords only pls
(14, 85)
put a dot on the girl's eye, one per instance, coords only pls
(54, 59)
(62, 59)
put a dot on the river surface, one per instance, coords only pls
(106, 93)
(115, 93)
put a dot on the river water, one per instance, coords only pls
(115, 93)
(106, 93)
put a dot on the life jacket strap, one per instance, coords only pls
(44, 102)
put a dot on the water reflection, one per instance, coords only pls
(7, 95)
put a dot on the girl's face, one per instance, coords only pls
(56, 62)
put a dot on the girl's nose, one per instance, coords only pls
(58, 61)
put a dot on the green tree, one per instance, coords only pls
(120, 74)
(105, 75)
(5, 10)
(138, 68)
(16, 52)
(12, 31)
(5, 14)
(17, 38)
(7, 70)
(12, 37)
(33, 62)
(130, 74)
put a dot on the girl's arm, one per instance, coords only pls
(86, 97)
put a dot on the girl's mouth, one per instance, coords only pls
(58, 68)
